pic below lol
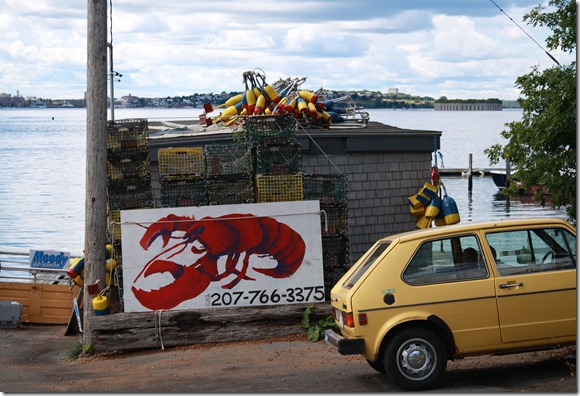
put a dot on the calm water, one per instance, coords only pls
(42, 177)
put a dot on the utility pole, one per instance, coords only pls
(96, 158)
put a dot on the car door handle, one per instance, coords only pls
(506, 285)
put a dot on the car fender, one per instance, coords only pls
(406, 319)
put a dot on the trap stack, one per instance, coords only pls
(128, 177)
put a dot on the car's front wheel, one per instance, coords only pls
(415, 358)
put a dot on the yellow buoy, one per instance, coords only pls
(414, 203)
(424, 222)
(433, 208)
(101, 305)
(110, 265)
(308, 96)
(429, 190)
(271, 92)
(418, 212)
(260, 105)
(233, 100)
(249, 101)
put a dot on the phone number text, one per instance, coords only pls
(256, 297)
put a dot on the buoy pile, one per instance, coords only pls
(260, 98)
(431, 204)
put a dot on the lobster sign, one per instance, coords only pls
(222, 256)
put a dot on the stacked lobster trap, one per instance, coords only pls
(278, 169)
(331, 191)
(279, 177)
(128, 177)
(182, 176)
(263, 164)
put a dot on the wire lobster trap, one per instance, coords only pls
(334, 222)
(181, 161)
(135, 199)
(114, 224)
(129, 168)
(271, 129)
(336, 252)
(279, 159)
(127, 134)
(131, 154)
(178, 191)
(279, 188)
(328, 189)
(230, 189)
(229, 159)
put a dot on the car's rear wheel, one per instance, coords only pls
(415, 358)
(377, 365)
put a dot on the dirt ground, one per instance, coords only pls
(34, 359)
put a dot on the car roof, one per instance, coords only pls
(473, 226)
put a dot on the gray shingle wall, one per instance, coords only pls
(378, 187)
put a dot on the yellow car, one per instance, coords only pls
(418, 299)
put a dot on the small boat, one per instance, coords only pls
(499, 178)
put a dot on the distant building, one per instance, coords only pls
(393, 91)
(468, 106)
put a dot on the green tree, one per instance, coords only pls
(542, 146)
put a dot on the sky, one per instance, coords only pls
(456, 48)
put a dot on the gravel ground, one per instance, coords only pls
(34, 359)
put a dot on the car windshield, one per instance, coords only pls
(376, 252)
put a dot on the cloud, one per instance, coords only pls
(454, 47)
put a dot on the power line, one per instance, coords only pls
(547, 53)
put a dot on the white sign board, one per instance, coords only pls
(222, 256)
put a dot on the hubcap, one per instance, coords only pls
(416, 359)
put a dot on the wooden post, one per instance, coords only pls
(96, 158)
(508, 172)
(470, 174)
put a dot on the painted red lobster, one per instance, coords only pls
(230, 235)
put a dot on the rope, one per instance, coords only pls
(157, 323)
(142, 223)
(325, 221)
(321, 150)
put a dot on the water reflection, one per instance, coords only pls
(485, 202)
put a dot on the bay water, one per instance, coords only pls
(42, 168)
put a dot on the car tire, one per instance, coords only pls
(415, 358)
(377, 365)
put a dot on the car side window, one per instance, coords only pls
(446, 260)
(533, 250)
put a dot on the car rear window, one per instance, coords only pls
(377, 251)
(446, 260)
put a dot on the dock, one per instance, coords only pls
(465, 171)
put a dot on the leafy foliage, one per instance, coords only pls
(542, 146)
(316, 331)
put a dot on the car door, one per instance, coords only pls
(536, 287)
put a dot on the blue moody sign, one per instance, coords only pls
(48, 259)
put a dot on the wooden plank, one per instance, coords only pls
(145, 330)
(41, 303)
